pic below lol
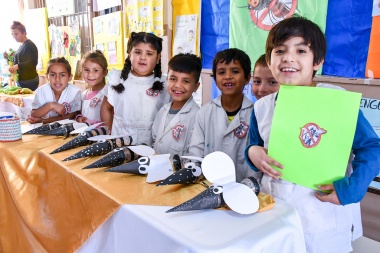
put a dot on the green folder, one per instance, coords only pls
(312, 133)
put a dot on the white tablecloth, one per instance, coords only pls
(137, 228)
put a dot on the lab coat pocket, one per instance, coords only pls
(177, 148)
(317, 216)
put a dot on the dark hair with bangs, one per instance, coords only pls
(97, 57)
(232, 54)
(186, 63)
(135, 39)
(297, 27)
(261, 62)
(59, 60)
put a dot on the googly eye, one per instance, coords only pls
(217, 189)
(82, 134)
(189, 165)
(102, 141)
(117, 149)
(143, 160)
(196, 171)
(143, 169)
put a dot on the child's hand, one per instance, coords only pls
(59, 108)
(33, 120)
(330, 197)
(81, 119)
(258, 156)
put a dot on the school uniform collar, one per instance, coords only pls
(246, 102)
(185, 108)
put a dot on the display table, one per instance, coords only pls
(138, 228)
(53, 206)
(22, 100)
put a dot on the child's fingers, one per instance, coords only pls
(268, 170)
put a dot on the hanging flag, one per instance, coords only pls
(373, 60)
(348, 31)
(250, 21)
(214, 33)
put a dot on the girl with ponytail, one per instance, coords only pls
(134, 95)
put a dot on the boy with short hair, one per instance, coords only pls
(222, 124)
(171, 130)
(295, 50)
(263, 81)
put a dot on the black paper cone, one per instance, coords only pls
(130, 168)
(81, 139)
(114, 158)
(63, 130)
(252, 183)
(101, 148)
(183, 176)
(44, 128)
(204, 200)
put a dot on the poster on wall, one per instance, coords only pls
(98, 5)
(65, 41)
(144, 16)
(186, 28)
(37, 27)
(371, 110)
(184, 34)
(59, 7)
(108, 38)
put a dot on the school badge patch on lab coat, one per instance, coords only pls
(311, 135)
(152, 93)
(241, 130)
(67, 107)
(94, 101)
(177, 131)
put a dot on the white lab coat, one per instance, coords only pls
(71, 95)
(91, 107)
(213, 132)
(327, 227)
(174, 138)
(134, 108)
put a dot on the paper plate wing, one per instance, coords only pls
(159, 168)
(104, 137)
(240, 198)
(142, 150)
(83, 127)
(218, 168)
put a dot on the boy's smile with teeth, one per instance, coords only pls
(288, 70)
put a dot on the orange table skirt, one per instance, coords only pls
(53, 206)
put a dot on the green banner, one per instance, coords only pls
(249, 25)
(312, 133)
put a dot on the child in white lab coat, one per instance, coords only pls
(173, 125)
(135, 94)
(222, 124)
(94, 71)
(57, 99)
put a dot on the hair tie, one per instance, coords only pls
(157, 79)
